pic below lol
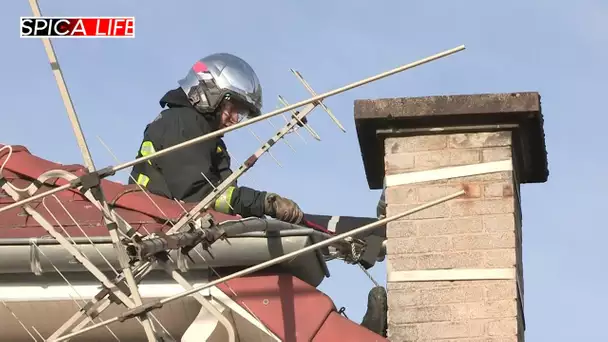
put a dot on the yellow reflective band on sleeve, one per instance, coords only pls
(218, 150)
(147, 148)
(222, 203)
(143, 180)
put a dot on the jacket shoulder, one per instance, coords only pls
(175, 125)
(180, 116)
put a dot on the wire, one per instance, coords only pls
(10, 153)
(369, 275)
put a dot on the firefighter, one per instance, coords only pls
(220, 90)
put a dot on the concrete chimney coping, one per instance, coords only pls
(450, 114)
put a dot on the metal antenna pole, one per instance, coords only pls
(158, 304)
(313, 93)
(63, 90)
(86, 155)
(317, 98)
(305, 125)
(112, 170)
(217, 191)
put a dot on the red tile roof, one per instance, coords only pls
(22, 168)
(295, 311)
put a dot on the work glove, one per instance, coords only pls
(282, 208)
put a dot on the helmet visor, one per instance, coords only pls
(236, 111)
(245, 103)
(243, 115)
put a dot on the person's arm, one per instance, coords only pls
(248, 202)
(245, 201)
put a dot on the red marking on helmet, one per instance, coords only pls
(199, 67)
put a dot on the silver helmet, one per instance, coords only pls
(223, 76)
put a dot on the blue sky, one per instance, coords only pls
(559, 51)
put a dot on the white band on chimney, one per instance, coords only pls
(448, 172)
(452, 274)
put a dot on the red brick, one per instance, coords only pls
(415, 144)
(400, 262)
(497, 309)
(448, 330)
(431, 160)
(427, 193)
(496, 154)
(401, 194)
(401, 333)
(458, 312)
(444, 158)
(468, 259)
(397, 163)
(425, 314)
(499, 222)
(484, 139)
(464, 259)
(500, 290)
(464, 157)
(484, 241)
(418, 244)
(502, 327)
(449, 226)
(464, 293)
(500, 258)
(471, 207)
(486, 177)
(438, 211)
(499, 189)
(401, 228)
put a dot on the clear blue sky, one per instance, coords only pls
(545, 46)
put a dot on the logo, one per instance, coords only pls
(77, 27)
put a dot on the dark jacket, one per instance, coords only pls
(177, 175)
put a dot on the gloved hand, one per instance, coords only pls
(282, 208)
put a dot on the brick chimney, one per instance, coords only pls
(454, 270)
